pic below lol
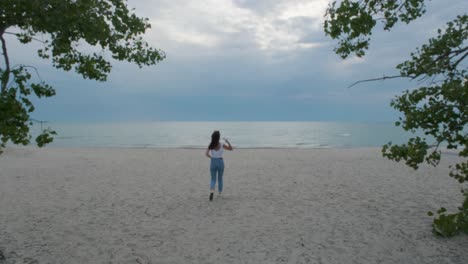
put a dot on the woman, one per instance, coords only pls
(215, 153)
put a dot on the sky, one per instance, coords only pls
(240, 60)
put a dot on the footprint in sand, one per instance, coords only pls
(177, 232)
(133, 257)
(30, 261)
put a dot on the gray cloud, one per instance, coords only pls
(250, 56)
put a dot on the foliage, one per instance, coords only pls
(439, 109)
(353, 21)
(452, 224)
(15, 108)
(66, 28)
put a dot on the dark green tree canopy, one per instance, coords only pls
(110, 25)
(439, 108)
(65, 27)
(352, 22)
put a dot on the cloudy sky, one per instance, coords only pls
(240, 60)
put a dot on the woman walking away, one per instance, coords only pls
(215, 153)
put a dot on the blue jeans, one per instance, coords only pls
(217, 167)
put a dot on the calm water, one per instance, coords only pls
(241, 134)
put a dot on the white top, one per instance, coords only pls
(217, 153)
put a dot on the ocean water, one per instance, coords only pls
(240, 134)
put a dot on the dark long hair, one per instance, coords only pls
(214, 140)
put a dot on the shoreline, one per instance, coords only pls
(443, 149)
(183, 147)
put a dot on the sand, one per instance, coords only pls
(85, 205)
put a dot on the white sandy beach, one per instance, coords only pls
(78, 205)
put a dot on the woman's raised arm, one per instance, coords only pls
(229, 146)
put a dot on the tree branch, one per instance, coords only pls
(29, 66)
(459, 60)
(17, 35)
(435, 145)
(25, 66)
(453, 54)
(380, 79)
(401, 6)
(7, 62)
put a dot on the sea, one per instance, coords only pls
(240, 134)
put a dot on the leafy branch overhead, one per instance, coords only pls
(439, 108)
(352, 22)
(65, 28)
